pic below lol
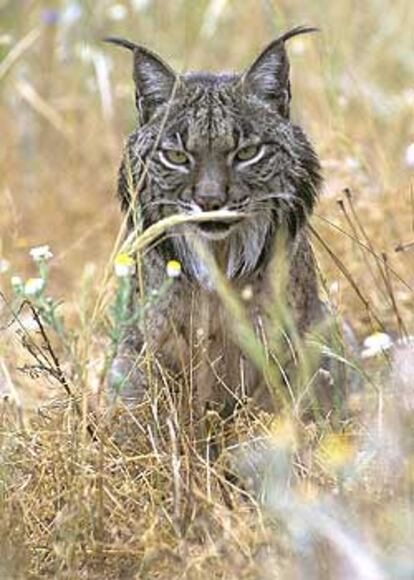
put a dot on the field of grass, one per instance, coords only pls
(91, 491)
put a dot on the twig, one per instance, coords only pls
(347, 275)
(388, 282)
(53, 367)
(381, 266)
(351, 224)
(371, 251)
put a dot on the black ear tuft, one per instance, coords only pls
(268, 77)
(154, 79)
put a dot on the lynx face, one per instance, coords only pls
(209, 142)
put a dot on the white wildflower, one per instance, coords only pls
(4, 266)
(16, 281)
(139, 5)
(41, 253)
(409, 156)
(352, 163)
(117, 12)
(376, 344)
(173, 269)
(34, 286)
(123, 266)
(247, 293)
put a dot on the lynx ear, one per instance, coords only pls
(268, 77)
(154, 79)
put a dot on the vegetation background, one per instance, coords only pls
(75, 508)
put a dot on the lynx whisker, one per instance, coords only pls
(158, 202)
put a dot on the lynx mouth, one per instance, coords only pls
(217, 230)
(217, 227)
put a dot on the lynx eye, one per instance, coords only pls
(175, 156)
(248, 153)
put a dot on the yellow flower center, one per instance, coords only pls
(124, 260)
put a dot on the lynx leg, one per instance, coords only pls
(126, 378)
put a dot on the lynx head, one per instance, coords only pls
(207, 142)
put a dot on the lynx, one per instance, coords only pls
(209, 142)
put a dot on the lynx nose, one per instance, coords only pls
(209, 202)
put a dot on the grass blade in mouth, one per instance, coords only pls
(134, 244)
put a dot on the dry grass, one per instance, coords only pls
(142, 497)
